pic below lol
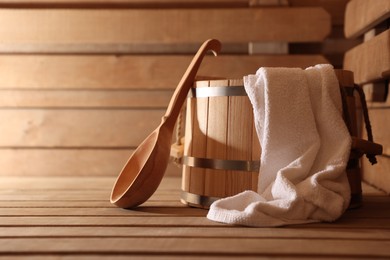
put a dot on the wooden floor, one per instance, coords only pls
(72, 218)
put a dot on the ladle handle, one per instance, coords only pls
(187, 80)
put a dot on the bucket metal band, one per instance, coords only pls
(217, 92)
(218, 164)
(197, 200)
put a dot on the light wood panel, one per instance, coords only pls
(370, 59)
(196, 122)
(380, 123)
(130, 71)
(76, 128)
(78, 99)
(121, 26)
(65, 162)
(124, 3)
(362, 15)
(378, 175)
(335, 8)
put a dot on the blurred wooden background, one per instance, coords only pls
(83, 82)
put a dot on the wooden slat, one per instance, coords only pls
(130, 71)
(35, 98)
(106, 26)
(124, 3)
(96, 221)
(73, 128)
(376, 94)
(116, 49)
(370, 59)
(380, 123)
(175, 221)
(198, 232)
(140, 211)
(197, 116)
(77, 195)
(217, 131)
(362, 15)
(69, 204)
(47, 183)
(239, 140)
(378, 175)
(146, 211)
(65, 162)
(194, 246)
(335, 8)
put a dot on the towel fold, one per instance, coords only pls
(305, 149)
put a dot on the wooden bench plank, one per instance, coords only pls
(378, 175)
(380, 123)
(370, 59)
(70, 183)
(73, 128)
(66, 162)
(95, 99)
(362, 15)
(336, 8)
(130, 71)
(125, 3)
(96, 221)
(195, 232)
(106, 26)
(202, 246)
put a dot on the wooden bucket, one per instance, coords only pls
(221, 148)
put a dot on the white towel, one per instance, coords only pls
(305, 150)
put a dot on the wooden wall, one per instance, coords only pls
(83, 82)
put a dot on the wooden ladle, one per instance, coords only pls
(145, 169)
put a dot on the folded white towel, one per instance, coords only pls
(305, 150)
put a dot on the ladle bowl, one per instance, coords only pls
(144, 170)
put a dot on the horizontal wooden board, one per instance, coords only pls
(130, 71)
(377, 94)
(140, 211)
(175, 221)
(336, 8)
(49, 98)
(194, 246)
(116, 49)
(65, 162)
(106, 26)
(199, 232)
(107, 128)
(378, 175)
(71, 183)
(124, 3)
(362, 15)
(370, 59)
(380, 123)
